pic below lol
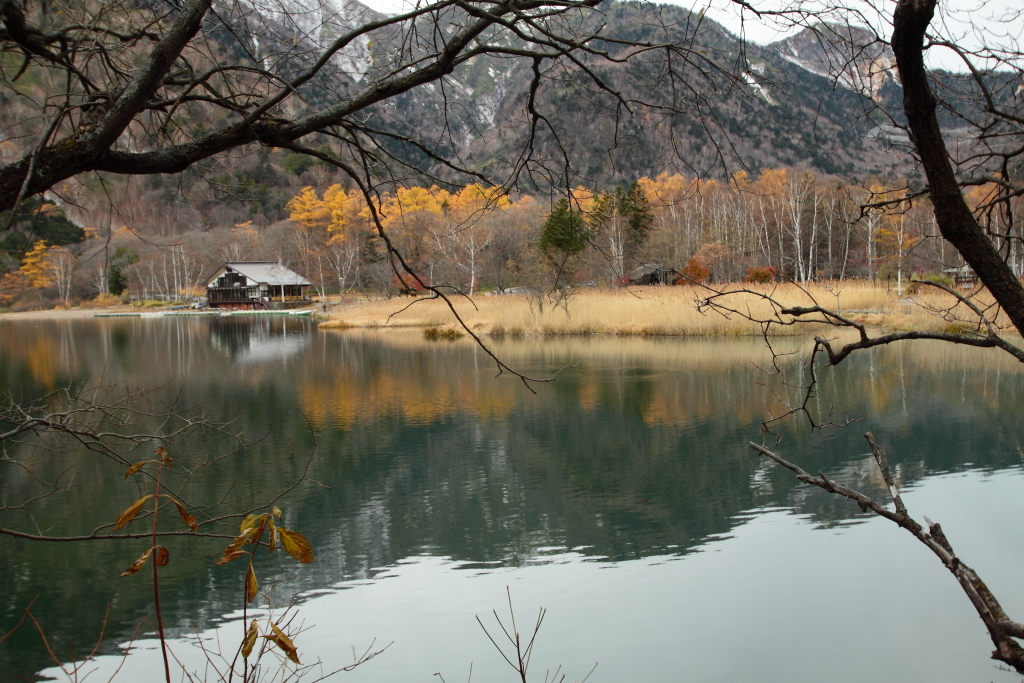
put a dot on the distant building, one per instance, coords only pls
(256, 284)
(652, 275)
(964, 276)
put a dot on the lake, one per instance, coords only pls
(622, 497)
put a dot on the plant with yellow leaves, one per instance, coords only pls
(254, 530)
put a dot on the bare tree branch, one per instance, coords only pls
(1002, 630)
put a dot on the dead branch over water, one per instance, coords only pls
(1002, 630)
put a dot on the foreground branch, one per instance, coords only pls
(1002, 630)
(976, 324)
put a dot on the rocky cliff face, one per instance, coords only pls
(854, 58)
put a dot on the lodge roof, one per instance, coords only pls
(647, 269)
(263, 272)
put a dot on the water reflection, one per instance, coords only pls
(259, 339)
(639, 452)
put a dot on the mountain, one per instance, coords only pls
(804, 101)
(853, 57)
(799, 102)
(723, 106)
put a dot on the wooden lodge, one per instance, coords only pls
(256, 284)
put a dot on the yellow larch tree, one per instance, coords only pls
(473, 200)
(336, 202)
(309, 210)
(469, 228)
(894, 235)
(37, 267)
(412, 218)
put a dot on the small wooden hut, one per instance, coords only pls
(652, 275)
(964, 276)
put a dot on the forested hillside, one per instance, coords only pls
(777, 224)
(767, 174)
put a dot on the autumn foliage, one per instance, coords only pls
(779, 223)
(760, 274)
(695, 272)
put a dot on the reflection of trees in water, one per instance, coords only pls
(259, 339)
(641, 451)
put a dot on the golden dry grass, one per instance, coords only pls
(654, 311)
(540, 355)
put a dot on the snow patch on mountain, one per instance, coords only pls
(854, 58)
(758, 88)
(318, 25)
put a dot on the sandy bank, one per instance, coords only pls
(62, 313)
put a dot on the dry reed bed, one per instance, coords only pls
(653, 311)
(538, 354)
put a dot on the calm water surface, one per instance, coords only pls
(622, 497)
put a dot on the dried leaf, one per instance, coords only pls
(272, 638)
(296, 545)
(163, 556)
(272, 543)
(248, 523)
(160, 450)
(128, 515)
(190, 520)
(168, 462)
(137, 564)
(283, 642)
(276, 512)
(248, 536)
(235, 549)
(230, 554)
(250, 639)
(250, 584)
(136, 467)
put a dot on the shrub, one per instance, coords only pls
(756, 274)
(695, 271)
(938, 278)
(32, 300)
(106, 299)
(438, 333)
(410, 286)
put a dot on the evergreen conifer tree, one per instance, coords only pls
(564, 232)
(634, 207)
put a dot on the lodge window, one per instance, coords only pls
(231, 280)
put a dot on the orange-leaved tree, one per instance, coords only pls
(37, 267)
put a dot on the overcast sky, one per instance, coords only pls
(967, 21)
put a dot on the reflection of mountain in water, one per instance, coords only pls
(259, 339)
(639, 451)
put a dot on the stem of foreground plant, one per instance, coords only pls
(156, 576)
(245, 622)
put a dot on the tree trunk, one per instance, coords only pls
(954, 217)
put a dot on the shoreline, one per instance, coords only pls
(126, 312)
(655, 311)
(61, 313)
